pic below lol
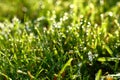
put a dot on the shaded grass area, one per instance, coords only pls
(74, 42)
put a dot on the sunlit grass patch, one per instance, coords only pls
(67, 40)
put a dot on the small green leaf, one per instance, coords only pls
(98, 75)
(102, 59)
(64, 67)
(109, 50)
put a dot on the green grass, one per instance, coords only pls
(60, 40)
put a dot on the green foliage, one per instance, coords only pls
(59, 39)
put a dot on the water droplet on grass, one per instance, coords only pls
(90, 56)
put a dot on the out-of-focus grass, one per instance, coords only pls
(59, 39)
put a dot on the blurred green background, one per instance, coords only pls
(19, 8)
(32, 9)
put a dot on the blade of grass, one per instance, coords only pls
(68, 63)
(7, 78)
(109, 50)
(98, 75)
